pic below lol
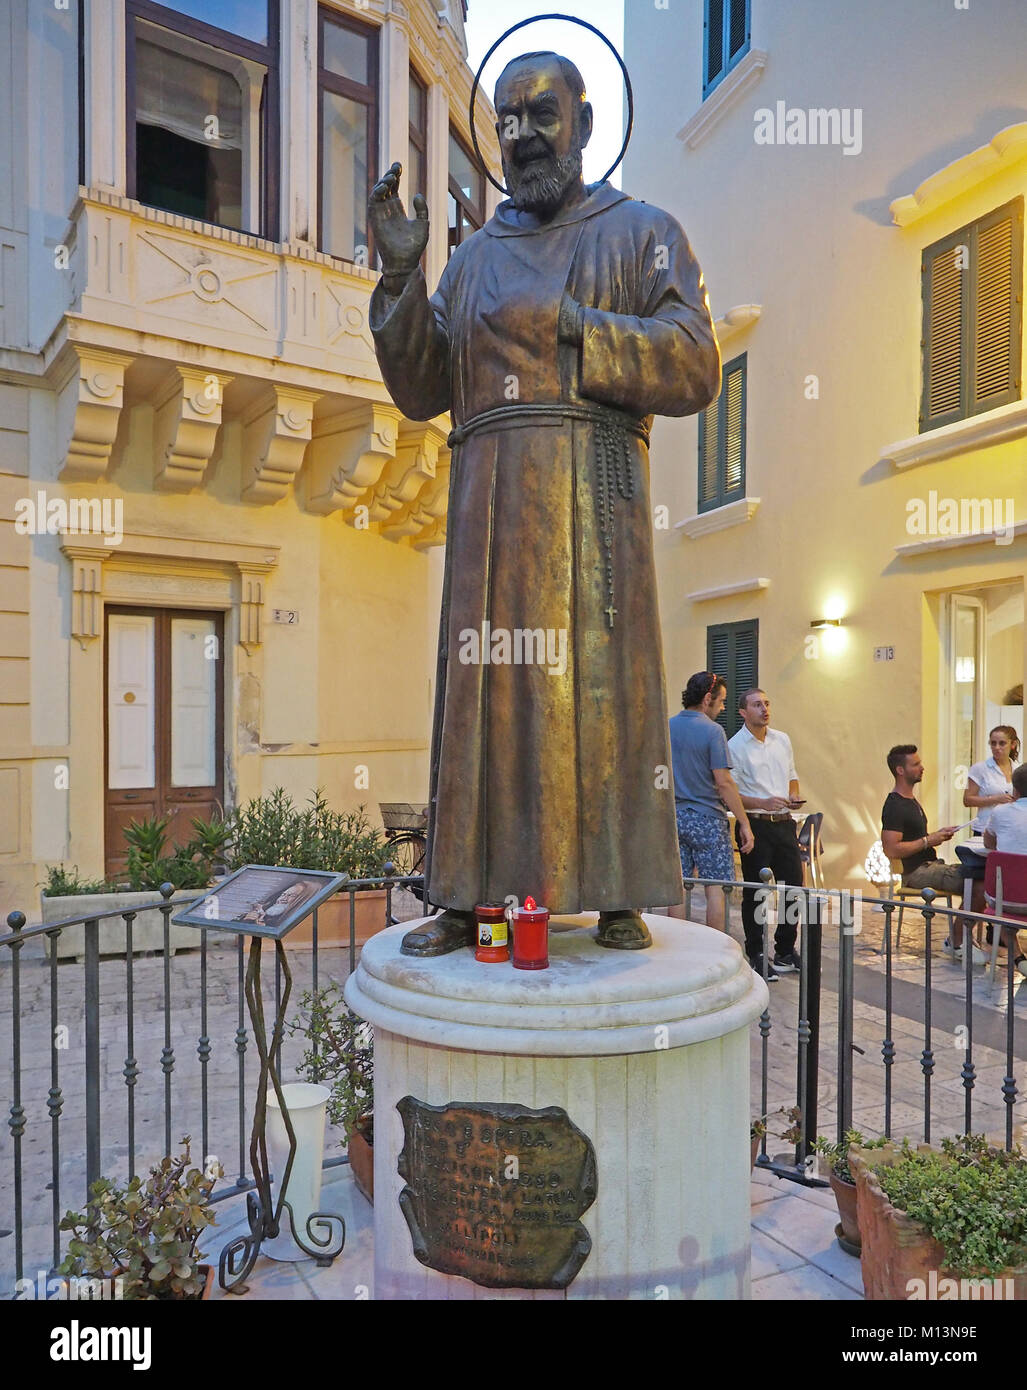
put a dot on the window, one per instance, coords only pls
(348, 118)
(466, 192)
(417, 157)
(203, 103)
(972, 286)
(722, 441)
(732, 651)
(725, 39)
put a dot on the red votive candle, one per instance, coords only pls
(530, 936)
(492, 935)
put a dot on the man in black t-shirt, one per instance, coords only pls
(904, 837)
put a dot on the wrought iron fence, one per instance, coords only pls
(54, 1151)
(985, 1020)
(117, 1099)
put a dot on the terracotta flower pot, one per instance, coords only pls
(754, 1149)
(847, 1230)
(208, 1280)
(361, 1162)
(333, 920)
(896, 1250)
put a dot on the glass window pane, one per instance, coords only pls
(416, 175)
(418, 105)
(193, 702)
(347, 53)
(248, 18)
(197, 129)
(462, 169)
(344, 185)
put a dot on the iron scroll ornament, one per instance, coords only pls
(536, 19)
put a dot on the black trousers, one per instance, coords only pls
(777, 849)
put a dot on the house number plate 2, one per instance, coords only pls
(494, 1192)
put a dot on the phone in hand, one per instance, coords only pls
(796, 801)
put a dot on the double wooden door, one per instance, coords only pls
(164, 721)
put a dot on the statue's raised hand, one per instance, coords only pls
(400, 239)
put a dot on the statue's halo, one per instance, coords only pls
(522, 24)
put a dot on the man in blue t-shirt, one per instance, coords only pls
(703, 786)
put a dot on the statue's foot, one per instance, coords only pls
(623, 931)
(447, 932)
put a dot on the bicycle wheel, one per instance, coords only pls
(407, 854)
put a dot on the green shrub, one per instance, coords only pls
(972, 1198)
(273, 830)
(837, 1155)
(67, 883)
(145, 1234)
(340, 1056)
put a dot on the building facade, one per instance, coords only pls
(847, 525)
(215, 527)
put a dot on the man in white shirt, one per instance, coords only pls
(764, 771)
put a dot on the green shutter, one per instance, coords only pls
(973, 313)
(722, 440)
(734, 429)
(732, 651)
(714, 39)
(997, 296)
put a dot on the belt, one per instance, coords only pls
(770, 815)
(612, 462)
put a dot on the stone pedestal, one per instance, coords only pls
(648, 1054)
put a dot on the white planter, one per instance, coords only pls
(307, 1104)
(147, 927)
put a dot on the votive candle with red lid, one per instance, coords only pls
(530, 936)
(492, 939)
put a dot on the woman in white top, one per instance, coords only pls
(990, 783)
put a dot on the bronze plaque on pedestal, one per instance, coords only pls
(494, 1193)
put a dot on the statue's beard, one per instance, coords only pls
(541, 186)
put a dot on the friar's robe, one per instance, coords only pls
(545, 783)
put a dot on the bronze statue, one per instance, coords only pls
(556, 333)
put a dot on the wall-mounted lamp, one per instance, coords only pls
(826, 622)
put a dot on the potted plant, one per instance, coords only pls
(947, 1223)
(145, 1235)
(272, 830)
(189, 868)
(340, 1055)
(836, 1158)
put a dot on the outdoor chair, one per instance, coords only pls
(1005, 892)
(810, 848)
(902, 893)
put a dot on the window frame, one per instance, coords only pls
(709, 84)
(475, 213)
(722, 496)
(969, 235)
(266, 54)
(732, 631)
(353, 91)
(417, 137)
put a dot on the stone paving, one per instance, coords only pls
(794, 1250)
(227, 1131)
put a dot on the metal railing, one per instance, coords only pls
(53, 1157)
(829, 923)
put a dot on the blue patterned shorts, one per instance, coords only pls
(705, 844)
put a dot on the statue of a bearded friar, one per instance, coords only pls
(556, 333)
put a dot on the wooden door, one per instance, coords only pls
(164, 722)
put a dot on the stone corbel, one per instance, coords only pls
(424, 519)
(88, 410)
(413, 468)
(252, 578)
(347, 455)
(187, 417)
(276, 432)
(86, 590)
